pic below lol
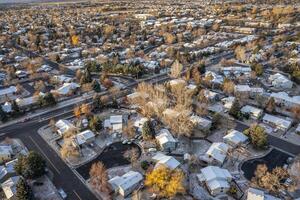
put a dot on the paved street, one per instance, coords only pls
(63, 175)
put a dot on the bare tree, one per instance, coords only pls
(129, 129)
(176, 69)
(99, 177)
(132, 155)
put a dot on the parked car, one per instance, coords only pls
(62, 193)
(152, 150)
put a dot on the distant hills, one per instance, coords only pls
(31, 1)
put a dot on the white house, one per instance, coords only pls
(244, 89)
(277, 122)
(216, 179)
(235, 138)
(63, 126)
(255, 194)
(66, 88)
(216, 154)
(114, 122)
(168, 161)
(127, 183)
(216, 78)
(236, 71)
(7, 170)
(84, 137)
(139, 123)
(210, 95)
(5, 153)
(28, 101)
(201, 123)
(255, 113)
(9, 187)
(7, 93)
(166, 140)
(280, 81)
(62, 78)
(228, 102)
(21, 73)
(283, 99)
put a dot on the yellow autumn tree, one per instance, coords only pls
(165, 182)
(74, 40)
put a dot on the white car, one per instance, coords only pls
(62, 193)
(152, 150)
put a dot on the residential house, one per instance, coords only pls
(254, 113)
(84, 137)
(210, 95)
(66, 88)
(216, 179)
(9, 187)
(21, 74)
(217, 79)
(63, 126)
(280, 81)
(255, 194)
(28, 101)
(166, 140)
(6, 153)
(282, 99)
(236, 71)
(256, 91)
(216, 154)
(116, 122)
(277, 122)
(228, 102)
(168, 161)
(7, 93)
(201, 123)
(235, 138)
(127, 183)
(139, 123)
(7, 170)
(62, 79)
(242, 91)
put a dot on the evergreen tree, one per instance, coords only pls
(257, 135)
(96, 86)
(147, 130)
(3, 115)
(235, 110)
(202, 68)
(47, 100)
(24, 191)
(114, 103)
(95, 123)
(30, 166)
(97, 102)
(86, 77)
(15, 107)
